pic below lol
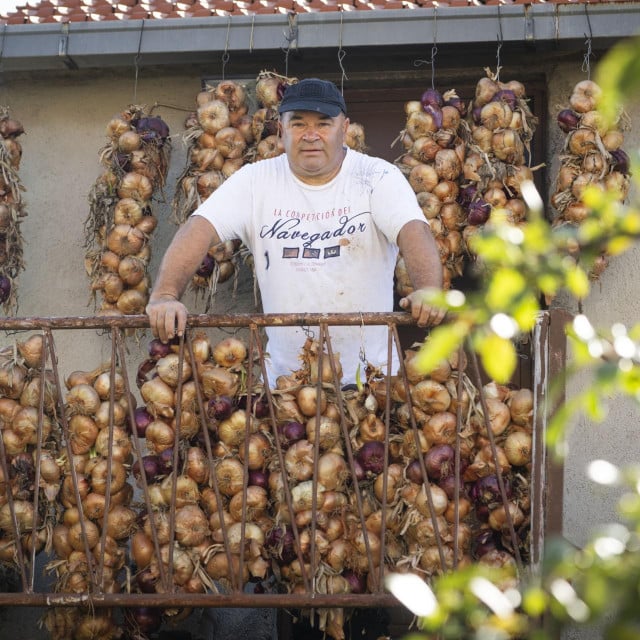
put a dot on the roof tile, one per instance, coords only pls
(42, 11)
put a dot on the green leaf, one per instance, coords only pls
(441, 343)
(618, 75)
(534, 601)
(505, 286)
(619, 245)
(577, 281)
(594, 406)
(498, 356)
(526, 311)
(359, 378)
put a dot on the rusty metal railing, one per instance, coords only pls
(95, 595)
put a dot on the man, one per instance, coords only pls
(324, 224)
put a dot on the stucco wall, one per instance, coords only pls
(65, 119)
(614, 298)
(65, 122)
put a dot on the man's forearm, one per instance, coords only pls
(182, 258)
(420, 253)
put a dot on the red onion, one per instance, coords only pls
(371, 457)
(146, 619)
(280, 544)
(436, 113)
(439, 461)
(478, 212)
(507, 96)
(158, 349)
(487, 540)
(431, 97)
(459, 104)
(568, 120)
(206, 266)
(165, 461)
(147, 580)
(291, 432)
(146, 371)
(448, 484)
(467, 194)
(152, 128)
(357, 581)
(486, 491)
(5, 289)
(414, 472)
(259, 478)
(142, 420)
(150, 465)
(220, 407)
(259, 404)
(620, 161)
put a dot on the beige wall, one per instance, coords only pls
(65, 119)
(614, 298)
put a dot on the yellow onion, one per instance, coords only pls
(135, 185)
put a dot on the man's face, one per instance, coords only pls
(314, 144)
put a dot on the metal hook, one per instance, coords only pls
(341, 54)
(292, 40)
(136, 64)
(225, 55)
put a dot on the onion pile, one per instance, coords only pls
(270, 88)
(218, 136)
(592, 155)
(12, 210)
(499, 154)
(28, 490)
(434, 142)
(221, 136)
(97, 519)
(179, 423)
(210, 484)
(465, 162)
(121, 222)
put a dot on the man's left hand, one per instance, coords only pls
(422, 310)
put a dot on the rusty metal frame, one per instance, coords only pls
(542, 502)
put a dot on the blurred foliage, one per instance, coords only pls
(521, 267)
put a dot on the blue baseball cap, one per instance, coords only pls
(313, 94)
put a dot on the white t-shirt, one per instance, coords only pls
(319, 249)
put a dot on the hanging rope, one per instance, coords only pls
(292, 39)
(225, 55)
(434, 50)
(136, 64)
(341, 54)
(4, 30)
(500, 38)
(586, 63)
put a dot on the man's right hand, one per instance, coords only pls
(167, 317)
